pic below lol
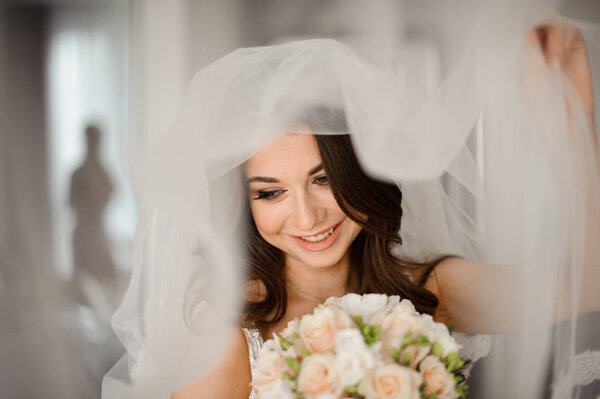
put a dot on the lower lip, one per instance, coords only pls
(320, 245)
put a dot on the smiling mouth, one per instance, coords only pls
(320, 241)
(319, 237)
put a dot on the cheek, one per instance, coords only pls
(269, 218)
(327, 201)
(355, 229)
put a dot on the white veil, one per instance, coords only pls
(493, 168)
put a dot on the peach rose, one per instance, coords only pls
(391, 381)
(267, 374)
(318, 376)
(318, 330)
(399, 322)
(417, 353)
(437, 380)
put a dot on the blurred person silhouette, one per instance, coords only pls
(95, 274)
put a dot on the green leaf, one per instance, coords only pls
(462, 390)
(352, 389)
(376, 330)
(293, 364)
(451, 329)
(288, 376)
(406, 341)
(406, 359)
(395, 354)
(359, 320)
(423, 341)
(295, 335)
(432, 396)
(437, 350)
(305, 353)
(285, 345)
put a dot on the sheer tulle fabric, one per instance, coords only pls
(525, 202)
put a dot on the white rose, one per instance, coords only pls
(318, 376)
(437, 380)
(391, 381)
(393, 300)
(333, 301)
(270, 345)
(349, 340)
(289, 330)
(377, 317)
(318, 330)
(448, 344)
(365, 305)
(353, 356)
(406, 306)
(351, 366)
(442, 336)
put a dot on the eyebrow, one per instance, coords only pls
(262, 179)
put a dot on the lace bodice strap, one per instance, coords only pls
(255, 342)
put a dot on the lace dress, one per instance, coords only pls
(255, 342)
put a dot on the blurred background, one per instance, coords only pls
(80, 81)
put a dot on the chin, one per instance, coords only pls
(319, 261)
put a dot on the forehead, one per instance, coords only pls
(289, 153)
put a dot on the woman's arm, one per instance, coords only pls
(481, 298)
(230, 380)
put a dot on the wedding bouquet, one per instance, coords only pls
(369, 346)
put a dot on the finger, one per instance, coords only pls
(554, 49)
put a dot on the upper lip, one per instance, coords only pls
(321, 232)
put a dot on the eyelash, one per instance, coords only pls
(321, 180)
(270, 195)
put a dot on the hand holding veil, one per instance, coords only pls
(521, 195)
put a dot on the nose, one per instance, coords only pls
(307, 212)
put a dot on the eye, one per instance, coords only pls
(268, 195)
(321, 181)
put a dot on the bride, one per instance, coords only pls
(320, 208)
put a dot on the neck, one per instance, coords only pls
(317, 282)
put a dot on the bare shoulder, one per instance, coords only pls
(473, 296)
(451, 281)
(231, 379)
(444, 275)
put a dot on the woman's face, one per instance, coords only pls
(293, 206)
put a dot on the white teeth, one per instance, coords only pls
(320, 237)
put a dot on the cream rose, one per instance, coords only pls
(391, 381)
(318, 376)
(399, 322)
(416, 353)
(318, 330)
(266, 375)
(437, 380)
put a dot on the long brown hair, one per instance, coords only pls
(372, 203)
